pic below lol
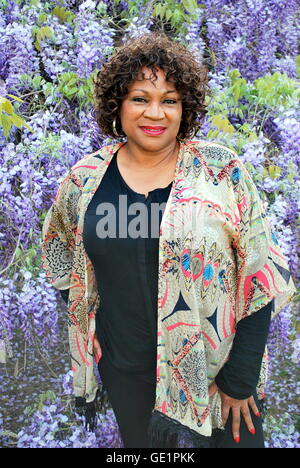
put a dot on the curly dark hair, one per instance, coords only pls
(153, 50)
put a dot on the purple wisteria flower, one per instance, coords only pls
(55, 425)
(94, 40)
(249, 35)
(21, 57)
(57, 50)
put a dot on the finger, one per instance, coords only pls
(247, 417)
(253, 406)
(97, 351)
(97, 357)
(212, 389)
(225, 413)
(236, 420)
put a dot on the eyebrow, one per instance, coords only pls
(146, 92)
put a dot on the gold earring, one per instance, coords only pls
(180, 139)
(194, 133)
(114, 127)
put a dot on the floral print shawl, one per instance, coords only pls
(219, 261)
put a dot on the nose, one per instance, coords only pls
(154, 111)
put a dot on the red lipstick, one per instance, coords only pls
(153, 130)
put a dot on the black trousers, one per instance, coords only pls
(132, 397)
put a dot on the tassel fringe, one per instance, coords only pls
(165, 432)
(89, 410)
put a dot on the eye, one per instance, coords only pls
(138, 99)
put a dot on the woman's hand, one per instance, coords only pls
(97, 349)
(237, 407)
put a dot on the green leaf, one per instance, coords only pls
(234, 74)
(72, 81)
(17, 120)
(176, 17)
(169, 14)
(290, 178)
(37, 81)
(274, 171)
(189, 5)
(81, 92)
(46, 31)
(236, 93)
(163, 11)
(213, 133)
(7, 106)
(6, 124)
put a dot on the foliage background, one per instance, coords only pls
(49, 53)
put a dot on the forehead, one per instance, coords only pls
(149, 82)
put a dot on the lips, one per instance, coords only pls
(151, 130)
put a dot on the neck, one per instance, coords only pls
(139, 157)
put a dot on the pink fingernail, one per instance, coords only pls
(258, 414)
(252, 430)
(237, 439)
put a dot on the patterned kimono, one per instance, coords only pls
(219, 261)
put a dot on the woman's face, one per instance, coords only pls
(151, 112)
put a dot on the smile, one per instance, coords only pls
(153, 130)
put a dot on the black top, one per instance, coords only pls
(126, 322)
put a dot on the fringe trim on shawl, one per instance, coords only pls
(89, 410)
(262, 408)
(165, 432)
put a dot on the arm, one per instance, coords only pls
(239, 376)
(262, 275)
(58, 238)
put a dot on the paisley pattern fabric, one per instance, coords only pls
(219, 261)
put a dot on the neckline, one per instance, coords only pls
(136, 193)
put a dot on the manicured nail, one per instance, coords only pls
(98, 358)
(258, 414)
(252, 430)
(237, 439)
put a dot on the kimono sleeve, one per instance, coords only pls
(58, 239)
(262, 269)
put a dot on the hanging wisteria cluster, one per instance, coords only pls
(48, 54)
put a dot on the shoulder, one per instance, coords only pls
(221, 163)
(212, 151)
(218, 155)
(92, 160)
(85, 166)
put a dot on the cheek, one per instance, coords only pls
(177, 117)
(177, 114)
(128, 113)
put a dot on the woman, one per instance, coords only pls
(168, 265)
